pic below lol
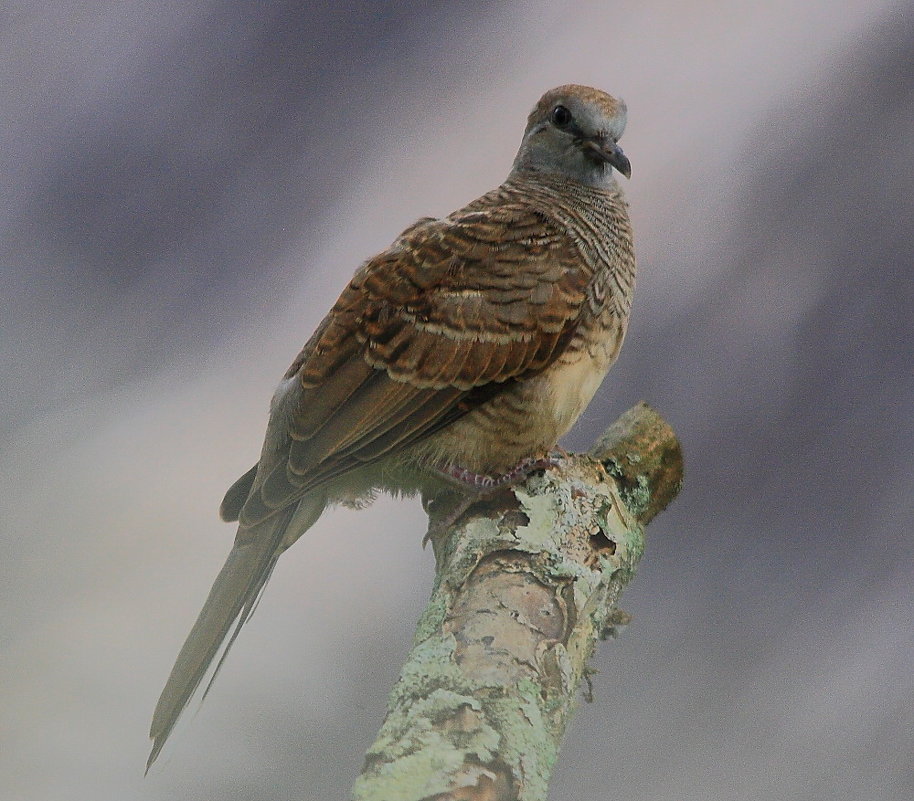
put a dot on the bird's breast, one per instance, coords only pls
(529, 416)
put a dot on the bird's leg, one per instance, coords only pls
(443, 510)
(466, 479)
(470, 487)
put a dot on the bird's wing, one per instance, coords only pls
(424, 332)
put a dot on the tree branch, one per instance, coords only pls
(526, 582)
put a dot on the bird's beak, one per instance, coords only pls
(605, 151)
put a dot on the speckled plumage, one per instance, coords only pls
(474, 341)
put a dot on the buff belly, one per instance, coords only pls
(528, 418)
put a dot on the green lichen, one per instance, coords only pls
(424, 773)
(541, 511)
(630, 545)
(442, 722)
(566, 669)
(432, 618)
(476, 538)
(528, 745)
(413, 757)
(562, 568)
(429, 667)
(638, 497)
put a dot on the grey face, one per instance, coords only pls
(573, 132)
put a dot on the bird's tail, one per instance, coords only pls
(232, 598)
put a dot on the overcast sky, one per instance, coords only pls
(187, 187)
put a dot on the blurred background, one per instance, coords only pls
(186, 189)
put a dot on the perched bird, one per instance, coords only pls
(455, 358)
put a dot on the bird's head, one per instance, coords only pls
(573, 131)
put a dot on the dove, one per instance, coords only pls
(452, 361)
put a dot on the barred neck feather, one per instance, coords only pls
(596, 219)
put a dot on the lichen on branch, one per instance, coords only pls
(527, 582)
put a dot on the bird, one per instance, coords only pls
(453, 361)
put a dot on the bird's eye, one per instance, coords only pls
(561, 117)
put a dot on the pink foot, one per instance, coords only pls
(484, 483)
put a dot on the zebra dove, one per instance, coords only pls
(457, 357)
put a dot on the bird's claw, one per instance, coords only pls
(484, 484)
(475, 486)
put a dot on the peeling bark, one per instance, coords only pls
(527, 581)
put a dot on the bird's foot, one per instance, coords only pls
(482, 483)
(446, 509)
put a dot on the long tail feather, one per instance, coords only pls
(243, 618)
(232, 598)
